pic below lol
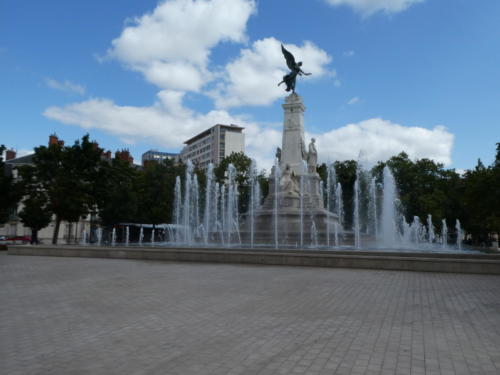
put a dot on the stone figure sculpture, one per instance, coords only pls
(303, 149)
(288, 182)
(278, 153)
(312, 157)
(295, 68)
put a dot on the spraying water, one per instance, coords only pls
(187, 206)
(301, 200)
(339, 205)
(84, 238)
(99, 236)
(331, 182)
(314, 234)
(177, 212)
(254, 199)
(232, 222)
(458, 228)
(277, 176)
(356, 224)
(430, 230)
(444, 234)
(388, 222)
(208, 204)
(113, 237)
(372, 206)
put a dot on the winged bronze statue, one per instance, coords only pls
(291, 77)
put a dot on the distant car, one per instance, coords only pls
(19, 238)
(3, 238)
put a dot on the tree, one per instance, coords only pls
(68, 175)
(156, 188)
(346, 175)
(481, 199)
(35, 213)
(116, 193)
(8, 195)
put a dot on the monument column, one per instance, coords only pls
(293, 149)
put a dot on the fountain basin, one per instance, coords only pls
(478, 263)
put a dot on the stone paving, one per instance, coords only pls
(95, 316)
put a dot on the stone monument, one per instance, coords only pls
(293, 212)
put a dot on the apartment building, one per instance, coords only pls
(156, 156)
(213, 144)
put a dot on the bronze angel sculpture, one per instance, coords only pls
(291, 77)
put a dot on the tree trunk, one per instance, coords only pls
(34, 236)
(56, 231)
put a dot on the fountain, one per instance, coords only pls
(298, 211)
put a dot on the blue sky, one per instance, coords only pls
(388, 75)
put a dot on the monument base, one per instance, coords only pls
(291, 222)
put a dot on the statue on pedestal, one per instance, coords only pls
(312, 157)
(295, 68)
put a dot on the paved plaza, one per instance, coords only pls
(95, 316)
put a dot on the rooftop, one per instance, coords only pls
(207, 132)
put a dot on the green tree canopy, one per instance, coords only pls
(115, 192)
(35, 213)
(8, 195)
(156, 189)
(68, 175)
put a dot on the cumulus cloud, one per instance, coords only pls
(66, 86)
(379, 139)
(369, 7)
(252, 78)
(166, 123)
(171, 45)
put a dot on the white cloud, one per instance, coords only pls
(167, 123)
(349, 53)
(66, 86)
(253, 77)
(380, 139)
(353, 100)
(171, 45)
(369, 7)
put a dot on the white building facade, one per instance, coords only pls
(213, 144)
